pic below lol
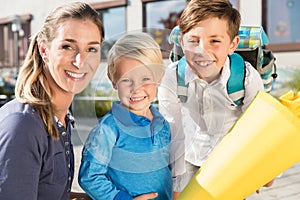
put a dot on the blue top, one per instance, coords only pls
(127, 155)
(33, 165)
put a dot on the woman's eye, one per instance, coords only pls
(66, 47)
(94, 50)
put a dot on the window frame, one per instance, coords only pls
(165, 52)
(148, 1)
(109, 4)
(144, 19)
(237, 2)
(282, 47)
(7, 41)
(144, 11)
(105, 6)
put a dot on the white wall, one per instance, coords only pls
(39, 9)
(250, 11)
(134, 15)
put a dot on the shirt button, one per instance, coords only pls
(67, 152)
(66, 143)
(64, 133)
(69, 178)
(69, 165)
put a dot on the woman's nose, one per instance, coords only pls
(77, 60)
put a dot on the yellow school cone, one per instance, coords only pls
(291, 101)
(263, 143)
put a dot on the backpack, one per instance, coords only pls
(250, 48)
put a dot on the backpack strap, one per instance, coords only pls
(182, 88)
(235, 84)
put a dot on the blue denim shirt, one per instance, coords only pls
(127, 155)
(33, 165)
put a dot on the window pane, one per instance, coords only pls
(161, 17)
(114, 21)
(235, 3)
(14, 41)
(163, 14)
(283, 27)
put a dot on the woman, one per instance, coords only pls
(36, 154)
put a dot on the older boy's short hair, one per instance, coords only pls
(200, 10)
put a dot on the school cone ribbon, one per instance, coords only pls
(264, 142)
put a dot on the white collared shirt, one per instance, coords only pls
(198, 125)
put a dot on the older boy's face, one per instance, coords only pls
(207, 46)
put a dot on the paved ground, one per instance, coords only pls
(285, 187)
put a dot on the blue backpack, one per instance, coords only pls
(250, 48)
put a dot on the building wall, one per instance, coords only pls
(250, 11)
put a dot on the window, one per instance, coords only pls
(113, 15)
(282, 29)
(159, 17)
(14, 40)
(235, 3)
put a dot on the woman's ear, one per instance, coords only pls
(234, 44)
(43, 51)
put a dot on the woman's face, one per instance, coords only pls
(73, 56)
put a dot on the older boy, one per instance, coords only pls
(208, 35)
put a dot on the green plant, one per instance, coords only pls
(294, 83)
(92, 102)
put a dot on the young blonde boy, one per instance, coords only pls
(126, 155)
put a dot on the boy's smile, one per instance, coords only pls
(206, 47)
(136, 85)
(203, 63)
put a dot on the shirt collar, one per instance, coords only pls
(69, 119)
(134, 124)
(129, 118)
(225, 73)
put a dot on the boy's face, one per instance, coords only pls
(136, 85)
(207, 46)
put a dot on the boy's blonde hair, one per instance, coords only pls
(200, 10)
(139, 46)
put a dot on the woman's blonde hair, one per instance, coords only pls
(139, 46)
(32, 86)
